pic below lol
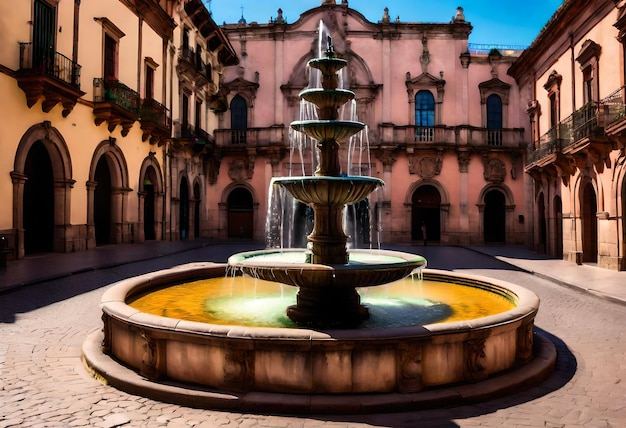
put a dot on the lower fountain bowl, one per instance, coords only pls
(307, 371)
(365, 268)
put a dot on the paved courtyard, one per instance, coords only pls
(43, 382)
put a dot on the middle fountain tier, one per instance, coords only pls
(326, 273)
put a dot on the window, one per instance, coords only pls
(239, 119)
(424, 116)
(110, 57)
(185, 113)
(587, 85)
(494, 120)
(149, 89)
(554, 112)
(198, 122)
(43, 35)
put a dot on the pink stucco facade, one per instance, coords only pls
(458, 173)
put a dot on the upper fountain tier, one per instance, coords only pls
(328, 99)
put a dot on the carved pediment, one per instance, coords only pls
(588, 50)
(496, 86)
(424, 80)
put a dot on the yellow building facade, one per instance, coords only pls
(94, 98)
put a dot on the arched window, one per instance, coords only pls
(424, 116)
(494, 120)
(239, 119)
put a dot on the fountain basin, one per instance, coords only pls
(315, 371)
(327, 190)
(328, 65)
(328, 129)
(365, 267)
(327, 98)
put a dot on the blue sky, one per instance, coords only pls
(498, 22)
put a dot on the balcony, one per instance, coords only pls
(441, 135)
(579, 137)
(191, 64)
(255, 138)
(48, 74)
(614, 115)
(194, 138)
(115, 103)
(155, 121)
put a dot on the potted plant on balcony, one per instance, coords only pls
(110, 83)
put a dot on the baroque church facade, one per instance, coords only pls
(444, 130)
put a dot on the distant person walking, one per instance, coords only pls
(424, 236)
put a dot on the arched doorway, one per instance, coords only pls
(196, 210)
(183, 209)
(38, 202)
(240, 214)
(494, 219)
(558, 227)
(541, 222)
(149, 208)
(102, 202)
(589, 209)
(623, 267)
(425, 211)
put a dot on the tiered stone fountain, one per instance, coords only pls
(323, 366)
(326, 274)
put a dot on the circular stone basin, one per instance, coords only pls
(323, 130)
(325, 190)
(289, 370)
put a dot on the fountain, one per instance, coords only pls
(326, 274)
(327, 364)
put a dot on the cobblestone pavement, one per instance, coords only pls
(43, 382)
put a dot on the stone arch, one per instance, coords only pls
(121, 229)
(61, 165)
(151, 200)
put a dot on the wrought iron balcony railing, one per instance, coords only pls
(48, 62)
(154, 112)
(194, 59)
(613, 107)
(113, 91)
